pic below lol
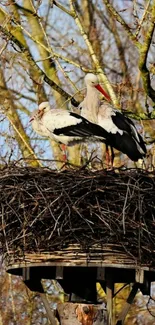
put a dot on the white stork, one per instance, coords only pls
(122, 133)
(65, 127)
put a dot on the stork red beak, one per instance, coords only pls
(99, 88)
(39, 115)
(31, 119)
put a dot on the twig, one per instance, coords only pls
(3, 48)
(125, 206)
(143, 17)
(3, 229)
(70, 13)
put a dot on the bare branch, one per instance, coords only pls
(70, 13)
(44, 77)
(116, 15)
(93, 56)
(143, 57)
(20, 135)
(140, 116)
(143, 48)
(19, 95)
(46, 47)
(38, 163)
(105, 80)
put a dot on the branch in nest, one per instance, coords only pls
(74, 212)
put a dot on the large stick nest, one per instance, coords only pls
(46, 211)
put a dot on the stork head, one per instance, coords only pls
(44, 107)
(91, 80)
(38, 113)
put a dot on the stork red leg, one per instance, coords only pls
(63, 148)
(112, 156)
(107, 156)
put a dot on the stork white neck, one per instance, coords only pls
(91, 104)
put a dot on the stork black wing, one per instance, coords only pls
(122, 122)
(126, 125)
(82, 129)
(130, 142)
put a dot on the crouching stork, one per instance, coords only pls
(65, 127)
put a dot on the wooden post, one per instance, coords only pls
(127, 305)
(109, 292)
(139, 275)
(49, 311)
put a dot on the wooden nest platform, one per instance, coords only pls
(77, 217)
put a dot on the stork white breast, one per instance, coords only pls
(105, 120)
(39, 128)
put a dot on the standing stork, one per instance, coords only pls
(122, 132)
(65, 127)
(90, 105)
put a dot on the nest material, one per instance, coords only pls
(78, 212)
